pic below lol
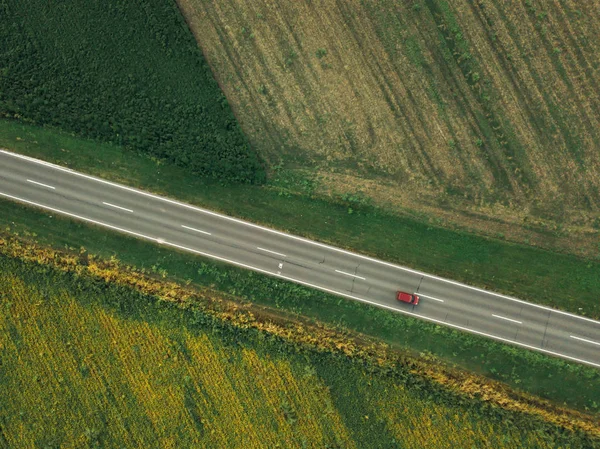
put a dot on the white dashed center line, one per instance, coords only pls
(269, 251)
(430, 297)
(586, 340)
(196, 230)
(40, 184)
(299, 281)
(117, 207)
(507, 319)
(349, 274)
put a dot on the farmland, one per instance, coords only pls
(127, 72)
(485, 114)
(476, 260)
(85, 363)
(108, 378)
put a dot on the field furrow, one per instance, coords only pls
(456, 108)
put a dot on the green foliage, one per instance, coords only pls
(286, 181)
(356, 201)
(124, 71)
(290, 58)
(321, 53)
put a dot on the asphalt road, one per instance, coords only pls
(189, 228)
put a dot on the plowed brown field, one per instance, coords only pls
(468, 110)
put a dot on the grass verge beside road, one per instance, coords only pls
(551, 378)
(565, 282)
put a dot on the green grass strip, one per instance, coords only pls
(558, 280)
(548, 377)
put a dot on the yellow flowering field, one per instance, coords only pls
(425, 423)
(86, 373)
(77, 372)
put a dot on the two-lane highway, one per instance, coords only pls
(354, 276)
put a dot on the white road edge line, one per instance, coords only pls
(260, 270)
(586, 340)
(291, 236)
(117, 207)
(507, 319)
(40, 184)
(350, 274)
(269, 251)
(197, 230)
(430, 297)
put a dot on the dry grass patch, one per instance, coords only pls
(459, 107)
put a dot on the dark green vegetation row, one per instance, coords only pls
(548, 377)
(124, 71)
(352, 383)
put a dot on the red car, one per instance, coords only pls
(407, 297)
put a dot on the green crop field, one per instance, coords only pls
(87, 364)
(125, 71)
